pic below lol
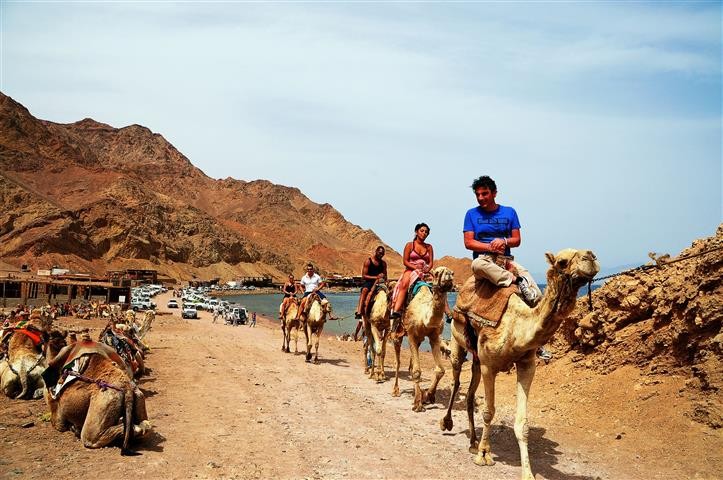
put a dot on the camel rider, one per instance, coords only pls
(311, 283)
(490, 231)
(373, 271)
(290, 288)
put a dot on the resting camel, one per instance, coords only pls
(145, 326)
(123, 339)
(313, 322)
(376, 327)
(98, 400)
(21, 368)
(514, 340)
(288, 323)
(424, 318)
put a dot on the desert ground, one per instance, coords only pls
(226, 403)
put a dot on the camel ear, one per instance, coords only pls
(550, 258)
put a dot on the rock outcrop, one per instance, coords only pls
(665, 318)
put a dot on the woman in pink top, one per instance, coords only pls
(418, 259)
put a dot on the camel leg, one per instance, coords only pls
(438, 369)
(376, 350)
(416, 373)
(457, 358)
(98, 430)
(471, 391)
(283, 336)
(484, 454)
(525, 375)
(397, 353)
(307, 334)
(382, 374)
(316, 344)
(296, 341)
(368, 369)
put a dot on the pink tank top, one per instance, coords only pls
(415, 257)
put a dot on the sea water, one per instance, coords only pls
(343, 305)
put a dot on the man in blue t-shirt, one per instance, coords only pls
(490, 231)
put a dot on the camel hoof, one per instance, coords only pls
(395, 392)
(418, 408)
(428, 398)
(446, 423)
(484, 459)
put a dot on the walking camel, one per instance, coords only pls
(289, 323)
(514, 340)
(424, 318)
(376, 328)
(313, 322)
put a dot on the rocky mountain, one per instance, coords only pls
(665, 319)
(92, 197)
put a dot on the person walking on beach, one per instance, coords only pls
(311, 282)
(490, 231)
(253, 319)
(373, 270)
(418, 259)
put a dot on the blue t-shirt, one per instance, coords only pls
(490, 225)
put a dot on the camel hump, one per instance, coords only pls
(482, 299)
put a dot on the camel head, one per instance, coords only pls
(576, 266)
(443, 278)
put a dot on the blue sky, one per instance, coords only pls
(600, 122)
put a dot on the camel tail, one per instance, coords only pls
(127, 420)
(23, 377)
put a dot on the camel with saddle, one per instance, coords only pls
(424, 318)
(89, 390)
(313, 317)
(124, 340)
(375, 318)
(21, 357)
(290, 323)
(500, 330)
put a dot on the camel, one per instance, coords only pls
(130, 317)
(21, 369)
(123, 339)
(145, 326)
(514, 340)
(313, 322)
(98, 401)
(289, 323)
(424, 318)
(376, 327)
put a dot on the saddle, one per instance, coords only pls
(380, 286)
(482, 302)
(123, 345)
(76, 356)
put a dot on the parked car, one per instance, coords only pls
(172, 303)
(141, 304)
(189, 312)
(237, 316)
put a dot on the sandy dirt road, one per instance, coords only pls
(225, 402)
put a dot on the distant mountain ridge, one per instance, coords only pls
(93, 197)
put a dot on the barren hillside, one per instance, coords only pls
(94, 197)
